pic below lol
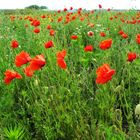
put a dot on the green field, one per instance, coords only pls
(70, 76)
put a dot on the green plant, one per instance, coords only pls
(14, 133)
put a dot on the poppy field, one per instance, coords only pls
(70, 75)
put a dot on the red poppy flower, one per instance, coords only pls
(138, 38)
(74, 37)
(124, 35)
(12, 18)
(105, 44)
(82, 19)
(131, 56)
(73, 17)
(71, 8)
(100, 6)
(65, 9)
(88, 48)
(22, 58)
(49, 27)
(59, 11)
(14, 44)
(61, 54)
(92, 12)
(80, 9)
(104, 74)
(43, 16)
(10, 75)
(60, 59)
(36, 30)
(28, 71)
(121, 32)
(90, 33)
(52, 32)
(108, 9)
(59, 19)
(102, 34)
(61, 63)
(122, 20)
(37, 62)
(49, 44)
(138, 21)
(35, 23)
(79, 12)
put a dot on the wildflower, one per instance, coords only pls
(37, 62)
(121, 32)
(131, 56)
(100, 6)
(60, 59)
(10, 75)
(71, 8)
(88, 48)
(102, 34)
(59, 11)
(124, 35)
(65, 9)
(52, 32)
(35, 23)
(108, 9)
(59, 19)
(138, 38)
(36, 30)
(90, 33)
(14, 44)
(49, 27)
(104, 74)
(105, 44)
(22, 58)
(49, 44)
(43, 16)
(28, 71)
(74, 37)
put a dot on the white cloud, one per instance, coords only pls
(60, 4)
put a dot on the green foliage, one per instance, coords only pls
(33, 7)
(43, 7)
(14, 133)
(36, 7)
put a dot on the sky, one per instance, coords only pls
(60, 4)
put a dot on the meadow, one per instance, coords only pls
(70, 75)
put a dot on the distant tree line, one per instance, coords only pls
(36, 7)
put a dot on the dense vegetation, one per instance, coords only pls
(80, 78)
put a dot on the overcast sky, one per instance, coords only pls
(60, 4)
